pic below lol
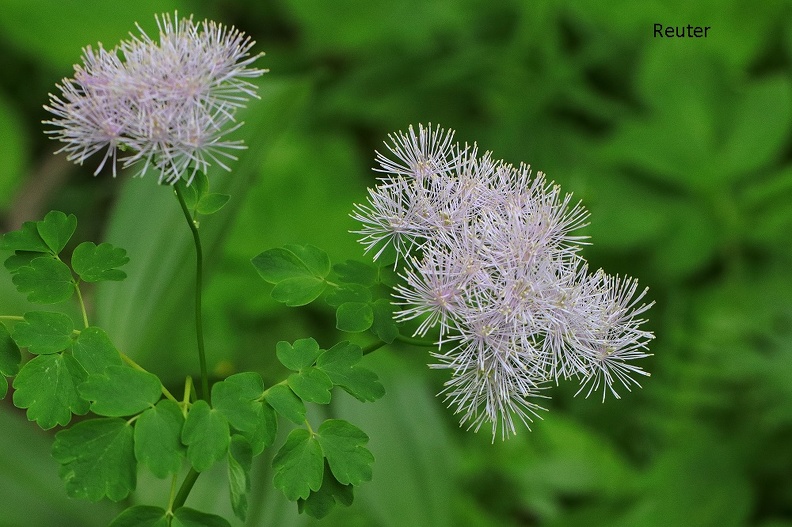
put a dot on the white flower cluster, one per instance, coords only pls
(167, 103)
(489, 254)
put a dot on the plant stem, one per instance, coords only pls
(82, 304)
(184, 490)
(198, 288)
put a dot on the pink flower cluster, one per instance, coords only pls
(490, 255)
(167, 104)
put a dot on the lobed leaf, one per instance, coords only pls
(298, 291)
(45, 280)
(94, 351)
(94, 263)
(298, 465)
(20, 259)
(348, 293)
(187, 517)
(44, 332)
(297, 356)
(240, 460)
(56, 229)
(10, 357)
(158, 438)
(342, 444)
(354, 317)
(383, 326)
(321, 502)
(206, 435)
(47, 387)
(339, 363)
(97, 458)
(239, 399)
(141, 516)
(120, 391)
(355, 272)
(25, 239)
(286, 403)
(297, 271)
(312, 385)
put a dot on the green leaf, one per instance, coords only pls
(158, 438)
(339, 364)
(121, 391)
(384, 327)
(342, 444)
(321, 502)
(291, 261)
(94, 351)
(286, 403)
(311, 385)
(25, 239)
(348, 293)
(97, 458)
(43, 332)
(189, 193)
(238, 398)
(314, 258)
(47, 387)
(297, 356)
(56, 229)
(355, 272)
(46, 280)
(298, 465)
(206, 435)
(240, 459)
(95, 263)
(211, 203)
(141, 516)
(3, 386)
(20, 259)
(299, 291)
(186, 517)
(354, 317)
(10, 357)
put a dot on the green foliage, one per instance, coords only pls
(240, 399)
(311, 385)
(120, 391)
(141, 516)
(206, 435)
(44, 332)
(321, 502)
(94, 351)
(211, 203)
(383, 325)
(355, 272)
(26, 239)
(240, 460)
(342, 444)
(298, 356)
(298, 465)
(99, 262)
(340, 364)
(56, 229)
(47, 387)
(97, 458)
(187, 517)
(10, 357)
(354, 317)
(158, 443)
(297, 271)
(45, 280)
(286, 403)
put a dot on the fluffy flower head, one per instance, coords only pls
(166, 103)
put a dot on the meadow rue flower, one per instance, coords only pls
(165, 104)
(491, 254)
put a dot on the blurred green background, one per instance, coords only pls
(680, 148)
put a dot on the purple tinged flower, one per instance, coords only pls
(167, 104)
(491, 254)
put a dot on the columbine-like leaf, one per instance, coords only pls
(56, 229)
(355, 272)
(321, 502)
(3, 386)
(240, 459)
(298, 272)
(342, 444)
(240, 399)
(384, 327)
(95, 263)
(25, 239)
(206, 435)
(120, 391)
(141, 516)
(299, 355)
(10, 357)
(298, 465)
(339, 363)
(20, 259)
(311, 385)
(94, 351)
(348, 293)
(187, 517)
(158, 438)
(98, 459)
(211, 203)
(45, 281)
(286, 403)
(47, 387)
(43, 332)
(354, 317)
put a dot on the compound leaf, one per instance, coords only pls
(47, 387)
(45, 280)
(94, 351)
(286, 403)
(158, 438)
(95, 263)
(299, 355)
(206, 435)
(298, 465)
(339, 363)
(120, 391)
(342, 444)
(56, 229)
(43, 332)
(239, 399)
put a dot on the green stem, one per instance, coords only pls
(198, 288)
(82, 303)
(184, 490)
(15, 318)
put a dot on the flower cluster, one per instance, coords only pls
(169, 104)
(490, 255)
